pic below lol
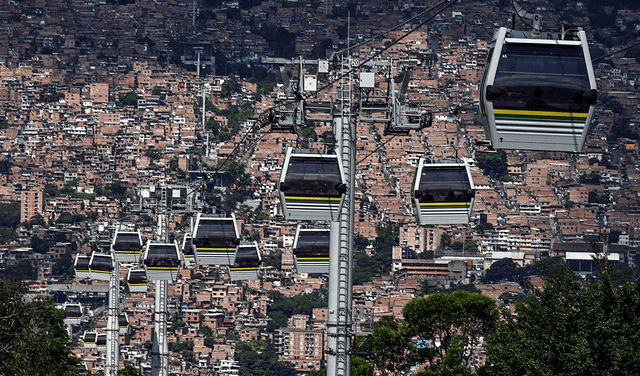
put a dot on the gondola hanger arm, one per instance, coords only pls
(534, 18)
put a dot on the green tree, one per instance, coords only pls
(387, 349)
(38, 220)
(379, 263)
(259, 358)
(592, 178)
(360, 242)
(128, 370)
(9, 220)
(452, 364)
(230, 87)
(445, 241)
(503, 270)
(39, 245)
(439, 318)
(64, 267)
(284, 307)
(128, 99)
(470, 245)
(33, 336)
(493, 164)
(5, 166)
(568, 328)
(26, 270)
(309, 132)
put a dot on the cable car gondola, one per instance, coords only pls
(101, 266)
(81, 266)
(215, 240)
(538, 93)
(137, 279)
(442, 193)
(89, 339)
(123, 322)
(126, 246)
(311, 186)
(247, 263)
(101, 341)
(72, 313)
(162, 261)
(187, 252)
(311, 250)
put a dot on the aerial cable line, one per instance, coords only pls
(315, 94)
(376, 149)
(385, 32)
(357, 67)
(613, 53)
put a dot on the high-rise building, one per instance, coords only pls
(31, 203)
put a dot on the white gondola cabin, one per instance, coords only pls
(442, 193)
(215, 240)
(72, 313)
(126, 246)
(162, 261)
(101, 341)
(123, 322)
(101, 266)
(137, 279)
(311, 250)
(188, 252)
(311, 186)
(89, 340)
(538, 94)
(81, 266)
(247, 263)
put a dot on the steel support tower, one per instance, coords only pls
(339, 323)
(113, 327)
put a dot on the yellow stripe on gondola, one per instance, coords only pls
(300, 198)
(126, 252)
(541, 113)
(101, 271)
(440, 204)
(217, 249)
(137, 284)
(243, 269)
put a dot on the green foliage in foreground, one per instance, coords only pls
(570, 329)
(33, 336)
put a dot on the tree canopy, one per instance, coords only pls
(33, 336)
(443, 321)
(9, 220)
(379, 263)
(259, 358)
(284, 307)
(569, 328)
(493, 164)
